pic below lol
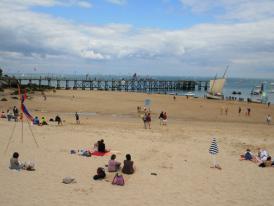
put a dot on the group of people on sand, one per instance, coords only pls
(115, 166)
(147, 120)
(12, 114)
(36, 121)
(224, 110)
(263, 159)
(163, 118)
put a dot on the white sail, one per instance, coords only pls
(216, 86)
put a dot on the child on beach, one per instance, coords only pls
(268, 119)
(14, 162)
(16, 165)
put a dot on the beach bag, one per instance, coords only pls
(87, 153)
(118, 180)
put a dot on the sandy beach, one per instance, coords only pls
(178, 152)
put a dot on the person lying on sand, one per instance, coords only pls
(267, 163)
(249, 156)
(113, 165)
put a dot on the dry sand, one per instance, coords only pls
(178, 153)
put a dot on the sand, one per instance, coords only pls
(178, 152)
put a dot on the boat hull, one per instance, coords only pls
(216, 97)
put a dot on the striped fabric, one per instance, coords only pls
(213, 149)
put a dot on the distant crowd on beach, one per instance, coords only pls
(224, 111)
(13, 114)
(146, 117)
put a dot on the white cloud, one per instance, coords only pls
(245, 10)
(30, 38)
(119, 2)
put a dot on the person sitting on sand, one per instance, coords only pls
(128, 165)
(262, 154)
(3, 115)
(36, 121)
(267, 163)
(43, 121)
(16, 165)
(100, 174)
(9, 114)
(14, 162)
(102, 146)
(248, 156)
(113, 165)
(58, 119)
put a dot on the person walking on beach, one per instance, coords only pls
(240, 110)
(226, 111)
(268, 119)
(161, 117)
(248, 111)
(268, 104)
(77, 118)
(145, 120)
(148, 120)
(165, 119)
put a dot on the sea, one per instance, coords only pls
(242, 85)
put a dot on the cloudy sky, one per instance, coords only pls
(149, 37)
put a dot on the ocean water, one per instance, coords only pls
(232, 84)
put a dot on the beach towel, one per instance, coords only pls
(95, 153)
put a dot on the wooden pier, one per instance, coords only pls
(116, 84)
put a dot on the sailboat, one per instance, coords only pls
(216, 87)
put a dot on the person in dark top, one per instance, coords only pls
(239, 110)
(102, 146)
(128, 165)
(58, 119)
(100, 174)
(77, 118)
(161, 117)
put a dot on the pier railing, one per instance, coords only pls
(133, 84)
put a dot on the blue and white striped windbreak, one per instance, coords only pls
(213, 149)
